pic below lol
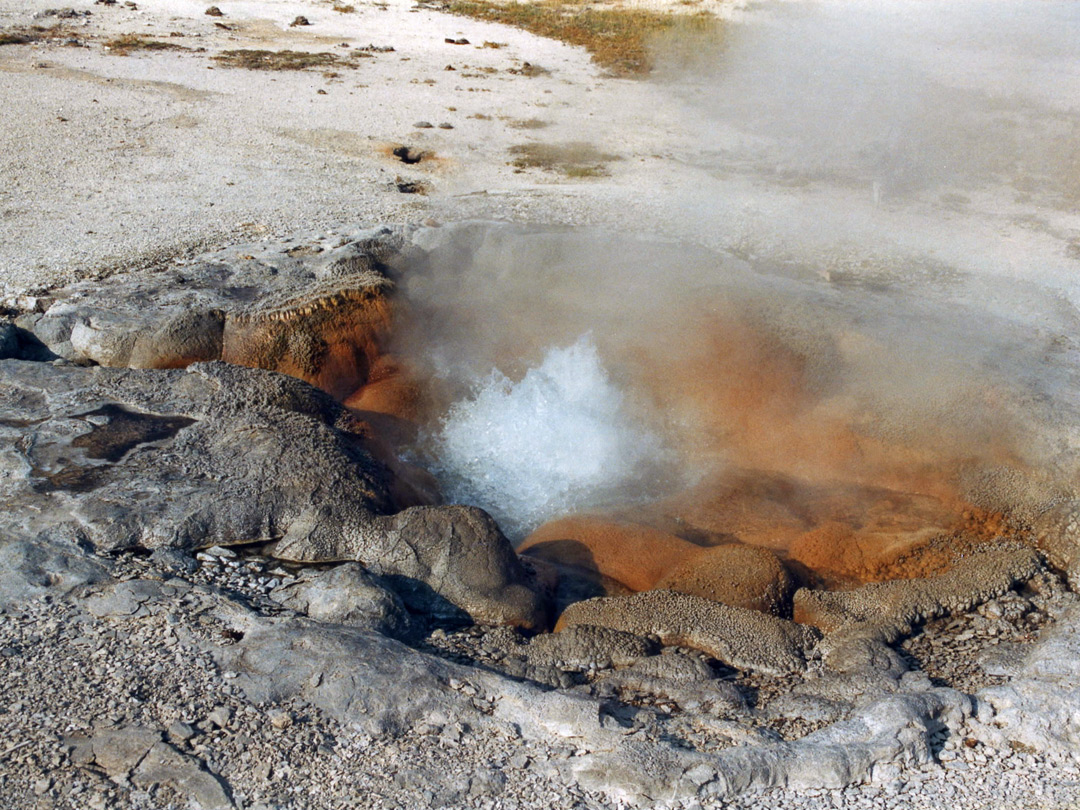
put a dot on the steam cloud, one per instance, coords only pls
(878, 293)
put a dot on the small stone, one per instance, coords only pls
(700, 774)
(423, 125)
(214, 11)
(180, 732)
(220, 716)
(300, 20)
(279, 718)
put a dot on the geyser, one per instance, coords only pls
(559, 439)
(716, 402)
(857, 333)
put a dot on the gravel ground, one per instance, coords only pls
(68, 675)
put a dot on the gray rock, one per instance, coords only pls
(218, 455)
(119, 750)
(807, 708)
(487, 782)
(175, 560)
(347, 594)
(123, 599)
(449, 561)
(894, 729)
(169, 319)
(31, 568)
(220, 716)
(1040, 706)
(680, 679)
(180, 732)
(163, 764)
(102, 338)
(355, 675)
(587, 647)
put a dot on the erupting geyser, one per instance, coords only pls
(559, 439)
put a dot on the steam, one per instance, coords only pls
(872, 282)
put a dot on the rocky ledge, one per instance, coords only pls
(219, 589)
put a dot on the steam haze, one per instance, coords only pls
(874, 289)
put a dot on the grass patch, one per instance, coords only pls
(344, 9)
(576, 159)
(35, 33)
(618, 39)
(586, 171)
(278, 60)
(129, 43)
(14, 38)
(527, 123)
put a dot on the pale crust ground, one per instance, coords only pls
(110, 160)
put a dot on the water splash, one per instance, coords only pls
(561, 439)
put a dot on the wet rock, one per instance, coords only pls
(390, 391)
(633, 555)
(745, 639)
(887, 609)
(839, 553)
(347, 594)
(328, 337)
(736, 575)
